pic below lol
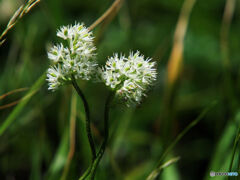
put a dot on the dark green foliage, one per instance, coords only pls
(35, 143)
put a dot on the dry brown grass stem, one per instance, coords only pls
(176, 56)
(12, 92)
(22, 10)
(112, 9)
(224, 32)
(10, 104)
(9, 93)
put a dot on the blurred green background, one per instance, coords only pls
(35, 144)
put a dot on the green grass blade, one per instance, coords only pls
(59, 159)
(10, 119)
(219, 161)
(234, 148)
(160, 168)
(171, 172)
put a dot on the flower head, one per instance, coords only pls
(56, 53)
(130, 77)
(55, 77)
(76, 59)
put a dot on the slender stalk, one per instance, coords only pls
(10, 104)
(225, 54)
(157, 171)
(114, 7)
(234, 149)
(88, 122)
(106, 134)
(238, 166)
(22, 10)
(86, 173)
(174, 67)
(12, 92)
(176, 58)
(179, 137)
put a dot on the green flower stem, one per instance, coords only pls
(106, 134)
(86, 173)
(88, 122)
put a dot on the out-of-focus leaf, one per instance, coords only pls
(222, 156)
(59, 159)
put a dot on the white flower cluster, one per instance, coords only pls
(76, 59)
(130, 77)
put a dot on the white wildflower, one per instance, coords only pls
(56, 53)
(55, 77)
(76, 59)
(130, 77)
(64, 32)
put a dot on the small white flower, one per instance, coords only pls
(55, 77)
(56, 53)
(76, 59)
(64, 32)
(130, 77)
